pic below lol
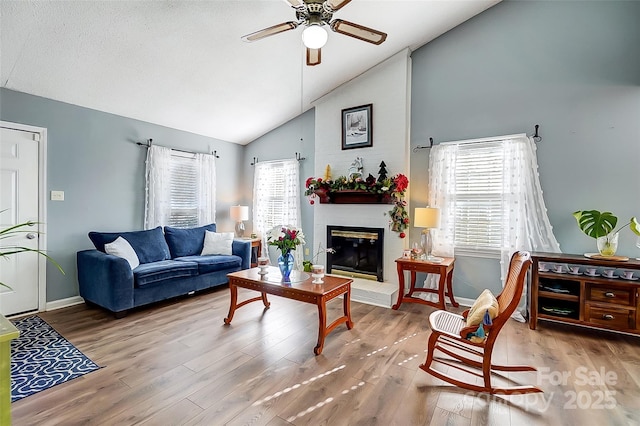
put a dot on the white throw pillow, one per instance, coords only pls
(217, 243)
(121, 248)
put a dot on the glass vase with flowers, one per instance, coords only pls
(286, 239)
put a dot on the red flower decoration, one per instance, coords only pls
(402, 235)
(401, 182)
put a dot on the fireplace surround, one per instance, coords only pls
(358, 251)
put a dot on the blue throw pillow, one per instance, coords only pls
(149, 245)
(186, 242)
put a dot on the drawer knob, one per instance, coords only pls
(609, 294)
(607, 316)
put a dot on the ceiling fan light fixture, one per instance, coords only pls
(314, 36)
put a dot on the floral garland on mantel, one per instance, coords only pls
(394, 187)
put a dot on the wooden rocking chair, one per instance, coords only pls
(449, 335)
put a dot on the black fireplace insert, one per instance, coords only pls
(358, 251)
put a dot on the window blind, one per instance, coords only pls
(183, 185)
(273, 205)
(479, 183)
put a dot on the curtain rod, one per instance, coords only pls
(150, 142)
(536, 138)
(298, 158)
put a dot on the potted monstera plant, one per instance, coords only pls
(602, 227)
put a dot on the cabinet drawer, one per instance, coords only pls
(422, 267)
(619, 318)
(619, 296)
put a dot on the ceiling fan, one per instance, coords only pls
(314, 15)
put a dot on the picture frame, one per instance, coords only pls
(357, 127)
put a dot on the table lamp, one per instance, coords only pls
(427, 218)
(239, 213)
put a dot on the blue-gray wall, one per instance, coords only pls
(297, 135)
(574, 68)
(93, 158)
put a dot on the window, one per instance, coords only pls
(489, 194)
(478, 194)
(180, 188)
(183, 187)
(276, 195)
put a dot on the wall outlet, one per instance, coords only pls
(306, 251)
(57, 195)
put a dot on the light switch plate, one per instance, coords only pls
(57, 195)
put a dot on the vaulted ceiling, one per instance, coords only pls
(183, 65)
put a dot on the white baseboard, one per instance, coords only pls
(64, 303)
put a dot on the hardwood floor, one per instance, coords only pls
(176, 363)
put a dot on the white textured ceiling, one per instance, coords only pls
(182, 64)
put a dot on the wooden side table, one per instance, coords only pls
(256, 250)
(444, 269)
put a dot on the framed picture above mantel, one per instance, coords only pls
(357, 127)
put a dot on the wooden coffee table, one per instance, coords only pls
(300, 288)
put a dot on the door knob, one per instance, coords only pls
(31, 235)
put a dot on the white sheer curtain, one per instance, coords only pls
(442, 182)
(165, 170)
(276, 199)
(206, 165)
(526, 224)
(157, 207)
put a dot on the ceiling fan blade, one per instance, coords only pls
(335, 5)
(258, 35)
(295, 3)
(358, 31)
(313, 57)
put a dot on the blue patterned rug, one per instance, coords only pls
(41, 358)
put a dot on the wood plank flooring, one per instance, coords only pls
(176, 363)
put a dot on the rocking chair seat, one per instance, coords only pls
(446, 322)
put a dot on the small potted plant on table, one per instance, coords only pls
(601, 226)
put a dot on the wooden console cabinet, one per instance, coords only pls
(601, 302)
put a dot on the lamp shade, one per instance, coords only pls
(426, 217)
(239, 213)
(314, 36)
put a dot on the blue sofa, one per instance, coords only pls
(170, 266)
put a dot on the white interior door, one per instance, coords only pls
(19, 196)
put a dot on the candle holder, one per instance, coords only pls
(263, 265)
(317, 273)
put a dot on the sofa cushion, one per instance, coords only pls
(149, 245)
(121, 248)
(150, 273)
(215, 263)
(217, 243)
(186, 242)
